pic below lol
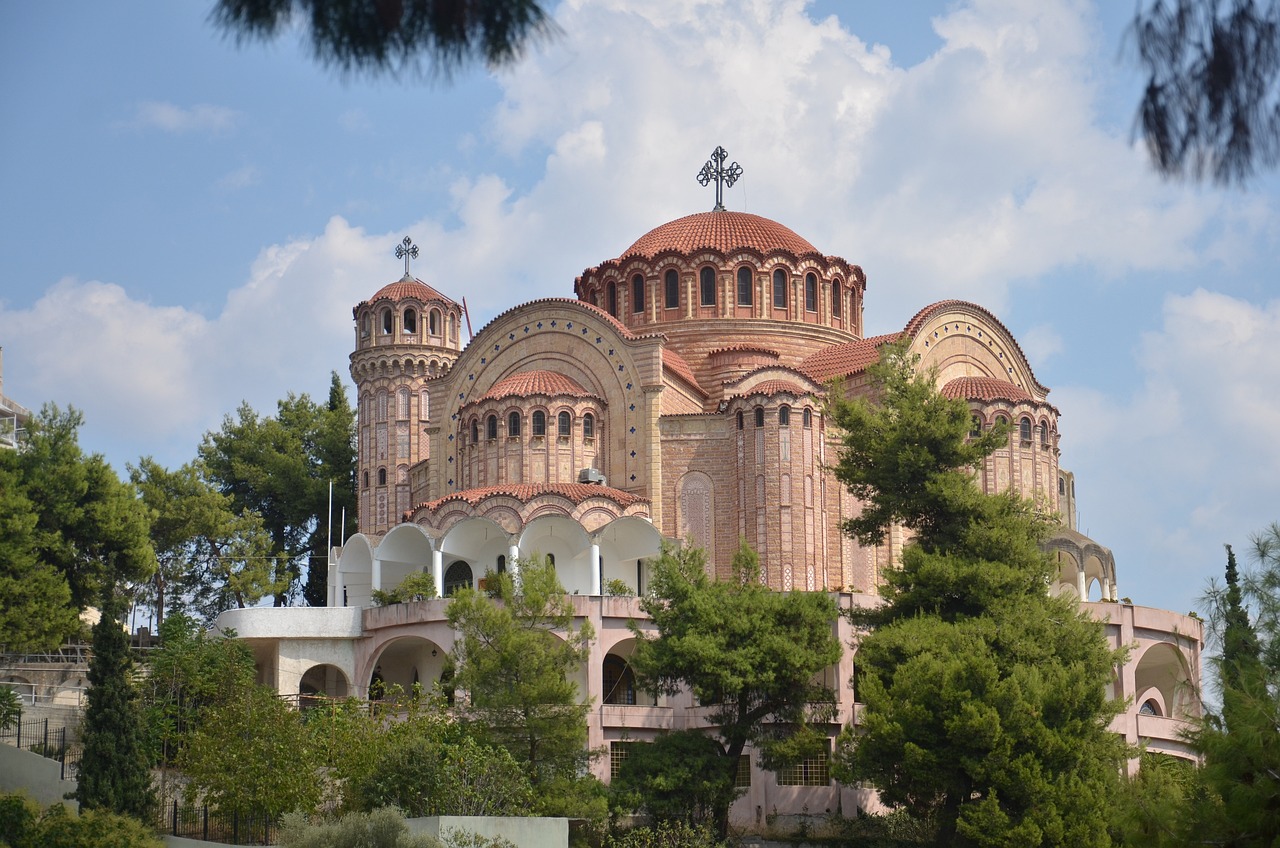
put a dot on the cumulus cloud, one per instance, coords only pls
(171, 118)
(1192, 454)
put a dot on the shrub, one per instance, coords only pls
(384, 828)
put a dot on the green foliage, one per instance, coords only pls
(666, 834)
(514, 655)
(252, 753)
(1148, 810)
(35, 600)
(23, 826)
(280, 468)
(10, 708)
(211, 556)
(384, 828)
(427, 766)
(679, 778)
(749, 653)
(618, 588)
(114, 774)
(381, 38)
(71, 528)
(419, 586)
(985, 707)
(455, 838)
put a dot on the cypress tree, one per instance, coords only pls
(113, 768)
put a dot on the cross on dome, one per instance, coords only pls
(407, 250)
(714, 169)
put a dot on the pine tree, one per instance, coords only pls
(113, 768)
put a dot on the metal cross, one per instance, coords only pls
(715, 170)
(406, 250)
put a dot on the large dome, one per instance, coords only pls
(723, 231)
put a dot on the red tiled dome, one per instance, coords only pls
(723, 231)
(529, 383)
(403, 289)
(775, 387)
(985, 389)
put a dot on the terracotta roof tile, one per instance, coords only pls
(675, 363)
(986, 389)
(529, 383)
(525, 492)
(405, 288)
(845, 359)
(774, 387)
(723, 231)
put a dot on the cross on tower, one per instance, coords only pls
(406, 250)
(715, 170)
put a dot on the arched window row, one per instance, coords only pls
(409, 320)
(486, 428)
(784, 417)
(1028, 429)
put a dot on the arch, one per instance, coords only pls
(386, 321)
(779, 288)
(410, 320)
(564, 424)
(477, 539)
(365, 479)
(695, 505)
(707, 286)
(323, 681)
(402, 403)
(424, 405)
(740, 419)
(637, 293)
(588, 426)
(491, 427)
(611, 298)
(1161, 671)
(475, 430)
(745, 286)
(457, 576)
(405, 550)
(671, 289)
(808, 418)
(810, 292)
(837, 298)
(355, 572)
(433, 322)
(382, 476)
(513, 423)
(403, 661)
(759, 413)
(1024, 430)
(784, 416)
(562, 540)
(538, 423)
(365, 325)
(1044, 432)
(22, 687)
(626, 545)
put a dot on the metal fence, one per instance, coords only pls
(211, 825)
(40, 738)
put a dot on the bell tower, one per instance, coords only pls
(406, 335)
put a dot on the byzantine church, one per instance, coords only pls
(676, 396)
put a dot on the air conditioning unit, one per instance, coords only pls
(591, 475)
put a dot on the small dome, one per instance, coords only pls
(985, 389)
(723, 231)
(530, 383)
(407, 288)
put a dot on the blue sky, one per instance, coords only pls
(186, 222)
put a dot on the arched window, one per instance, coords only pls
(594, 297)
(402, 403)
(382, 406)
(1149, 707)
(424, 405)
(491, 427)
(588, 426)
(611, 297)
(411, 320)
(475, 431)
(744, 286)
(619, 681)
(740, 419)
(759, 416)
(1044, 433)
(366, 481)
(808, 418)
(975, 426)
(457, 576)
(779, 288)
(501, 566)
(671, 288)
(433, 322)
(707, 286)
(1062, 486)
(811, 293)
(539, 423)
(453, 328)
(386, 321)
(564, 424)
(836, 297)
(1001, 421)
(364, 326)
(513, 423)
(382, 476)
(637, 293)
(1024, 430)
(784, 416)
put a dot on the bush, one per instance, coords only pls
(22, 826)
(669, 834)
(384, 828)
(419, 586)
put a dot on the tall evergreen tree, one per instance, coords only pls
(985, 706)
(114, 772)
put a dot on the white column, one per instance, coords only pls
(437, 570)
(1080, 584)
(376, 577)
(595, 568)
(336, 588)
(513, 563)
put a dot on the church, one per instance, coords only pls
(674, 395)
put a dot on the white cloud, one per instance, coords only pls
(241, 178)
(1191, 460)
(171, 118)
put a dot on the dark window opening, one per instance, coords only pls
(611, 298)
(513, 424)
(458, 576)
(739, 419)
(759, 416)
(637, 293)
(672, 288)
(588, 426)
(810, 293)
(784, 416)
(708, 286)
(779, 288)
(836, 297)
(744, 286)
(491, 427)
(619, 681)
(410, 321)
(564, 424)
(382, 476)
(386, 321)
(808, 418)
(539, 423)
